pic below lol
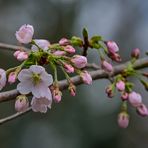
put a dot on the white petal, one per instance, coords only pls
(37, 69)
(24, 75)
(34, 48)
(40, 90)
(49, 95)
(36, 91)
(2, 78)
(47, 78)
(42, 109)
(24, 87)
(38, 105)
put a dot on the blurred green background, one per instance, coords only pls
(89, 119)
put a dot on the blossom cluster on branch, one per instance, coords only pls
(44, 87)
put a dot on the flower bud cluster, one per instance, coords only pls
(33, 77)
(127, 95)
(45, 88)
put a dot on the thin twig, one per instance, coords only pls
(96, 74)
(93, 66)
(12, 47)
(16, 115)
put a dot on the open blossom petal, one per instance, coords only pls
(47, 79)
(25, 87)
(43, 44)
(2, 78)
(37, 69)
(41, 104)
(24, 75)
(40, 90)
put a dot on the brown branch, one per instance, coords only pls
(12, 47)
(96, 74)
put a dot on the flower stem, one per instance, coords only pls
(66, 75)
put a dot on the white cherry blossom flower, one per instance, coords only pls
(35, 80)
(25, 34)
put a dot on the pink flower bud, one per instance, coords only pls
(124, 96)
(16, 53)
(2, 78)
(64, 42)
(120, 85)
(79, 61)
(135, 53)
(72, 89)
(69, 49)
(57, 95)
(107, 66)
(112, 46)
(135, 99)
(22, 56)
(123, 120)
(86, 77)
(115, 57)
(43, 44)
(59, 53)
(72, 92)
(21, 103)
(68, 68)
(109, 91)
(142, 110)
(12, 77)
(25, 34)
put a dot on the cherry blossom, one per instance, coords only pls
(25, 34)
(35, 80)
(41, 104)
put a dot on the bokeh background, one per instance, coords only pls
(89, 119)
